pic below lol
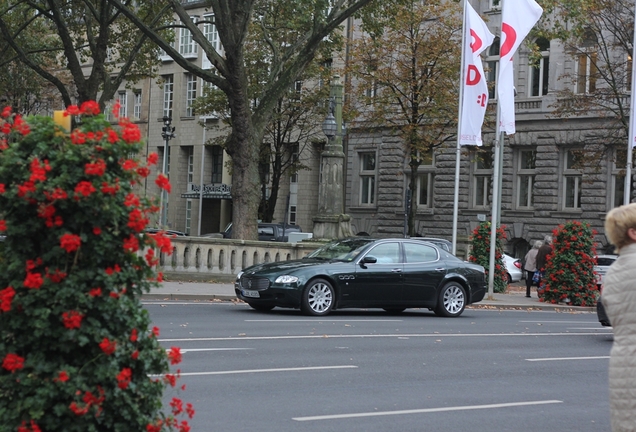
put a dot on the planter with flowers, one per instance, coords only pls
(77, 350)
(480, 254)
(569, 274)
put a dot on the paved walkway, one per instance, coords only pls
(514, 299)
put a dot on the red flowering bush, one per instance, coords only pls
(76, 350)
(569, 273)
(480, 254)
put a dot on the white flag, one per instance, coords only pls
(475, 88)
(518, 18)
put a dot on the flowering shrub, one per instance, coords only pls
(76, 350)
(569, 273)
(480, 254)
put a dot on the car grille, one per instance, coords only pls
(257, 284)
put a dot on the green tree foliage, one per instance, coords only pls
(76, 349)
(84, 48)
(405, 77)
(598, 37)
(293, 33)
(569, 274)
(480, 254)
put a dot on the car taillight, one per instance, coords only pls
(518, 264)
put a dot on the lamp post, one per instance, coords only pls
(167, 133)
(331, 222)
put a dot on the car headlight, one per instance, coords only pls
(286, 279)
(238, 276)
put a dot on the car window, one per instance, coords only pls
(419, 253)
(605, 261)
(269, 231)
(345, 250)
(386, 253)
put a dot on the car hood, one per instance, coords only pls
(287, 267)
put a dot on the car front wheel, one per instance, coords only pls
(452, 300)
(318, 298)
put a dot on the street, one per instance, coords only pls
(367, 370)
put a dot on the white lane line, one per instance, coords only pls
(213, 349)
(340, 336)
(567, 358)
(589, 328)
(247, 371)
(327, 320)
(560, 322)
(425, 410)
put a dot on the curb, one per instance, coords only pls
(200, 297)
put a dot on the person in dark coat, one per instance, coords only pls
(543, 253)
(530, 265)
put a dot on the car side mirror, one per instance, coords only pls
(369, 260)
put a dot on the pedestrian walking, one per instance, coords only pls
(619, 300)
(542, 256)
(530, 265)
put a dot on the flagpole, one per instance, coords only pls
(631, 140)
(459, 124)
(495, 205)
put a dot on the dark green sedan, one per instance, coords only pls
(361, 272)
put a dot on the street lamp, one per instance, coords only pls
(167, 133)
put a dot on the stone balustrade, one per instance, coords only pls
(201, 258)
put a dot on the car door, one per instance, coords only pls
(379, 283)
(423, 272)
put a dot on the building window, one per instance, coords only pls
(571, 180)
(586, 73)
(188, 218)
(212, 35)
(617, 179)
(482, 177)
(137, 104)
(539, 72)
(628, 73)
(367, 178)
(191, 94)
(526, 166)
(187, 45)
(492, 64)
(168, 95)
(217, 164)
(425, 179)
(495, 4)
(190, 153)
(123, 104)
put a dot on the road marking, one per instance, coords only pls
(425, 410)
(246, 371)
(567, 358)
(589, 328)
(172, 303)
(213, 349)
(340, 336)
(325, 320)
(560, 322)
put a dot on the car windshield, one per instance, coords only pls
(345, 250)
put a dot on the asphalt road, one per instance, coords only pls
(359, 370)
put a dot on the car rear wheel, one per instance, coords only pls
(509, 278)
(452, 300)
(261, 307)
(318, 298)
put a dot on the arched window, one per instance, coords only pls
(540, 70)
(492, 64)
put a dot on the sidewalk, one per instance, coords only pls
(514, 298)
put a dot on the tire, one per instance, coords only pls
(451, 301)
(261, 307)
(394, 310)
(509, 278)
(318, 298)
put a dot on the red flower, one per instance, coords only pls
(129, 165)
(26, 428)
(3, 225)
(174, 355)
(135, 355)
(108, 346)
(57, 194)
(62, 377)
(84, 188)
(190, 410)
(155, 331)
(89, 108)
(72, 319)
(95, 292)
(177, 406)
(38, 172)
(184, 426)
(72, 110)
(154, 428)
(111, 190)
(97, 231)
(57, 276)
(170, 379)
(96, 168)
(6, 112)
(33, 280)
(136, 220)
(163, 242)
(163, 182)
(6, 297)
(124, 378)
(153, 158)
(131, 244)
(70, 242)
(131, 200)
(131, 133)
(12, 362)
(143, 171)
(78, 137)
(115, 110)
(111, 270)
(2, 189)
(133, 335)
(26, 187)
(112, 136)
